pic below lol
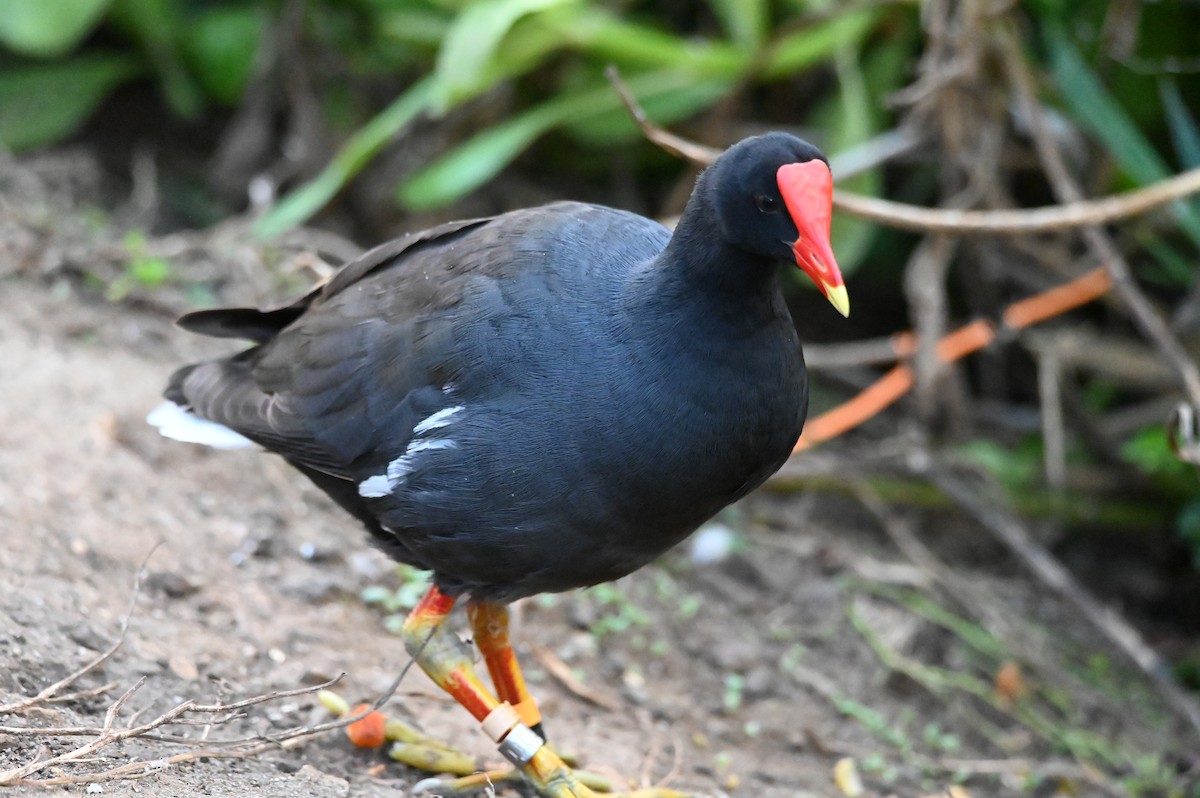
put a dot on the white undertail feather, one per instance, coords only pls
(180, 424)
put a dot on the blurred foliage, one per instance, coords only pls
(553, 53)
(1150, 451)
(680, 59)
(826, 65)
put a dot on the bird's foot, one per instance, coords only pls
(551, 777)
(550, 774)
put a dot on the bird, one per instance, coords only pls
(536, 401)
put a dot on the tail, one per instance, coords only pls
(181, 424)
(175, 419)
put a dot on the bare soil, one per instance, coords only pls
(816, 640)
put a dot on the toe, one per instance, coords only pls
(433, 759)
(552, 778)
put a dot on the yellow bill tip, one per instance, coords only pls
(839, 298)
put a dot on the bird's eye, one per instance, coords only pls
(766, 203)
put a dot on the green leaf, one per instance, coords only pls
(809, 46)
(150, 272)
(1172, 268)
(42, 104)
(472, 42)
(305, 201)
(853, 125)
(1185, 133)
(852, 117)
(47, 28)
(480, 158)
(156, 24)
(221, 46)
(745, 20)
(666, 97)
(526, 47)
(1094, 107)
(418, 26)
(606, 38)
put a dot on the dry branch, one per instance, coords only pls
(186, 713)
(1066, 216)
(109, 734)
(50, 694)
(1101, 245)
(993, 517)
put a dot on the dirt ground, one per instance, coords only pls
(815, 640)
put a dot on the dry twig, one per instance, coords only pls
(50, 694)
(993, 517)
(1069, 215)
(182, 714)
(1103, 249)
(559, 670)
(109, 734)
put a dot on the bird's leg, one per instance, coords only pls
(489, 622)
(442, 655)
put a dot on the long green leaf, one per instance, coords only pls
(42, 104)
(745, 20)
(1185, 133)
(608, 39)
(47, 28)
(672, 96)
(811, 45)
(472, 42)
(305, 201)
(483, 156)
(479, 159)
(1094, 107)
(851, 123)
(420, 26)
(156, 24)
(221, 45)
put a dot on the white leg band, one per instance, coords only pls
(520, 745)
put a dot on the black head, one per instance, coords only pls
(773, 197)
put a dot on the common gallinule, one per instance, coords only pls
(536, 401)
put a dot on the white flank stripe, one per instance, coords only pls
(399, 468)
(375, 487)
(179, 424)
(438, 420)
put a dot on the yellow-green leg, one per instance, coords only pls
(440, 654)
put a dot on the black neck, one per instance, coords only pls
(698, 254)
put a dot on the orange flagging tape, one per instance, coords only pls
(1056, 301)
(954, 346)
